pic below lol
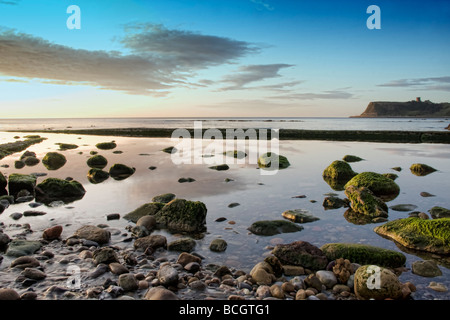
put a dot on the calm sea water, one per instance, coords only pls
(407, 124)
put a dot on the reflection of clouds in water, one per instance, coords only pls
(425, 151)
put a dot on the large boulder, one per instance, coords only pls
(18, 182)
(338, 171)
(381, 186)
(363, 201)
(54, 160)
(272, 227)
(52, 189)
(301, 253)
(375, 282)
(431, 235)
(180, 215)
(364, 254)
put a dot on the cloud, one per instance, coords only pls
(263, 4)
(431, 83)
(158, 60)
(253, 73)
(331, 94)
(10, 2)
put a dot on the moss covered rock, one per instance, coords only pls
(52, 189)
(364, 254)
(96, 175)
(66, 146)
(164, 198)
(420, 169)
(299, 216)
(106, 145)
(17, 182)
(54, 160)
(439, 212)
(180, 215)
(3, 181)
(363, 201)
(271, 160)
(144, 210)
(378, 283)
(381, 186)
(120, 171)
(351, 158)
(425, 235)
(337, 174)
(272, 227)
(97, 161)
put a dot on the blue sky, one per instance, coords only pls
(219, 58)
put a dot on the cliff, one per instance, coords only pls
(417, 108)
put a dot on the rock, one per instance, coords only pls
(419, 234)
(149, 222)
(113, 216)
(144, 210)
(106, 145)
(192, 267)
(33, 273)
(300, 295)
(426, 194)
(263, 291)
(312, 281)
(185, 258)
(167, 275)
(299, 216)
(273, 161)
(235, 154)
(160, 293)
(19, 164)
(52, 189)
(92, 233)
(276, 291)
(439, 212)
(120, 171)
(337, 174)
(437, 286)
(233, 204)
(96, 175)
(31, 161)
(183, 245)
(118, 268)
(262, 273)
(4, 240)
(66, 146)
(426, 268)
(52, 233)
(3, 181)
(289, 270)
(327, 278)
(9, 294)
(374, 282)
(220, 167)
(382, 187)
(301, 253)
(33, 213)
(164, 198)
(333, 203)
(420, 169)
(16, 215)
(97, 161)
(18, 248)
(54, 160)
(180, 215)
(18, 182)
(364, 254)
(363, 201)
(403, 207)
(25, 262)
(183, 180)
(272, 227)
(105, 255)
(128, 282)
(170, 150)
(342, 269)
(351, 158)
(152, 241)
(218, 245)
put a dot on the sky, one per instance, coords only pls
(215, 58)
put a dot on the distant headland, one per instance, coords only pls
(409, 109)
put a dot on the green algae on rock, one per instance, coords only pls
(420, 169)
(364, 254)
(52, 189)
(351, 158)
(180, 215)
(273, 161)
(431, 235)
(381, 186)
(120, 171)
(97, 161)
(17, 182)
(337, 174)
(299, 216)
(106, 145)
(363, 201)
(54, 160)
(439, 212)
(144, 210)
(66, 146)
(272, 227)
(96, 175)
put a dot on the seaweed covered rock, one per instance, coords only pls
(96, 175)
(381, 186)
(374, 282)
(363, 201)
(18, 182)
(180, 215)
(272, 227)
(337, 174)
(439, 212)
(420, 169)
(164, 198)
(144, 210)
(431, 235)
(3, 181)
(52, 189)
(364, 254)
(97, 161)
(106, 145)
(351, 158)
(120, 171)
(54, 160)
(273, 161)
(301, 253)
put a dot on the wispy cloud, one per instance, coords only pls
(330, 94)
(254, 73)
(431, 83)
(263, 4)
(159, 59)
